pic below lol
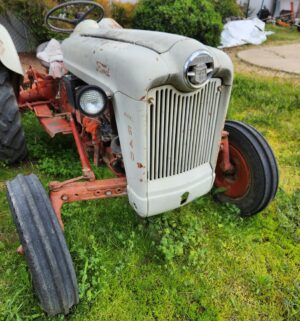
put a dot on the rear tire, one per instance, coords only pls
(254, 181)
(12, 140)
(44, 245)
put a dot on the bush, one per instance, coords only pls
(227, 8)
(192, 18)
(33, 13)
(123, 13)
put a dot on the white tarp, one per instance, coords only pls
(53, 55)
(241, 32)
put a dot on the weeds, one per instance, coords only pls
(200, 262)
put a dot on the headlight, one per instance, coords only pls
(198, 69)
(91, 100)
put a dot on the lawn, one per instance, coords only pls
(200, 262)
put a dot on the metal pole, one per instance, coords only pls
(248, 6)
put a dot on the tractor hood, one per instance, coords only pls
(159, 42)
(134, 61)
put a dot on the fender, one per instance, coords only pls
(8, 53)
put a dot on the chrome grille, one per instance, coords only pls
(181, 129)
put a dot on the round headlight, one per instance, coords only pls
(198, 69)
(91, 100)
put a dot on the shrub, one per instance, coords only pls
(123, 13)
(33, 13)
(193, 18)
(227, 8)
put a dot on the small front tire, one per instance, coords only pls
(253, 183)
(44, 245)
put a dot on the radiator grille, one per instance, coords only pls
(181, 129)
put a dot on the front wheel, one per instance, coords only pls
(44, 245)
(253, 182)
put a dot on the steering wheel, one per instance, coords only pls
(71, 14)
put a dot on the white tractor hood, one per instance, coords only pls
(134, 61)
(159, 42)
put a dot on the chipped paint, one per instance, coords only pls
(102, 68)
(140, 165)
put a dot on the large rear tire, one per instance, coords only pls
(253, 183)
(12, 140)
(44, 245)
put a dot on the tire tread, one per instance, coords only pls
(43, 241)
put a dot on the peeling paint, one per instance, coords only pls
(140, 165)
(102, 68)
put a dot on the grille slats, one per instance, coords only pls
(181, 129)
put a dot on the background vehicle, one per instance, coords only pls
(152, 107)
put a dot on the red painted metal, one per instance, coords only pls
(67, 192)
(109, 159)
(91, 125)
(86, 166)
(41, 87)
(236, 181)
(56, 125)
(42, 110)
(224, 149)
(53, 124)
(39, 94)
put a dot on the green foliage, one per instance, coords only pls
(33, 13)
(227, 8)
(123, 13)
(193, 18)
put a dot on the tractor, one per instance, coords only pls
(149, 105)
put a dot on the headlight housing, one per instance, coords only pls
(198, 69)
(91, 100)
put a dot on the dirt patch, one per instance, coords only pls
(29, 59)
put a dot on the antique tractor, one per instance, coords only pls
(149, 105)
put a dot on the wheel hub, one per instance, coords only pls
(236, 181)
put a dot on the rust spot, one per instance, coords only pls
(140, 165)
(142, 98)
(103, 69)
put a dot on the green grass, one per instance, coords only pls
(200, 262)
(282, 35)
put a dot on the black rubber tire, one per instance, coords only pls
(44, 245)
(12, 139)
(264, 174)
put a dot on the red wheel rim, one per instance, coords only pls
(237, 182)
